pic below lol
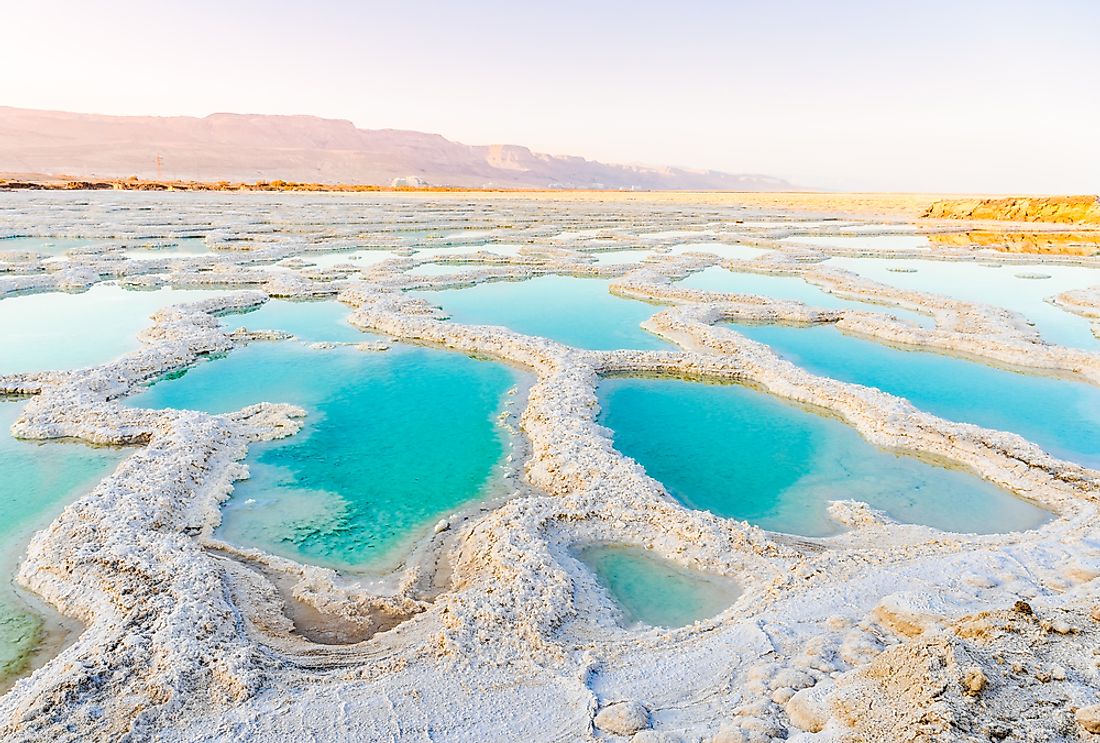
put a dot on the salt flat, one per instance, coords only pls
(485, 621)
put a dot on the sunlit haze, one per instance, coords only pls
(906, 96)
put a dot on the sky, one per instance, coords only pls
(890, 95)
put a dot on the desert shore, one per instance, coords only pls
(887, 631)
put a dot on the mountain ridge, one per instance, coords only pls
(302, 147)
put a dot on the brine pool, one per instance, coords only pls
(40, 332)
(1022, 288)
(393, 440)
(793, 288)
(573, 311)
(652, 591)
(1060, 415)
(38, 480)
(741, 453)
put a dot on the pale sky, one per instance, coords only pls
(851, 94)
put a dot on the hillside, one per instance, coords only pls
(248, 147)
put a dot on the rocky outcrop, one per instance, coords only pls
(1061, 209)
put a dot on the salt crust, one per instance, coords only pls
(884, 632)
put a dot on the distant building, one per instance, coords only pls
(409, 181)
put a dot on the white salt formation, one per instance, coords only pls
(490, 631)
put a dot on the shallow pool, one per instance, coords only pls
(577, 312)
(316, 321)
(872, 242)
(1059, 415)
(744, 454)
(65, 331)
(37, 480)
(1007, 286)
(651, 590)
(393, 441)
(793, 288)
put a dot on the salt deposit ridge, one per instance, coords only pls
(492, 629)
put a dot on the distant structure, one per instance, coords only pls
(409, 181)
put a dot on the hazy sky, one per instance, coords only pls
(883, 95)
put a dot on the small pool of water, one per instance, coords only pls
(722, 250)
(356, 258)
(498, 249)
(1059, 415)
(651, 590)
(67, 331)
(442, 269)
(737, 452)
(313, 322)
(47, 245)
(873, 242)
(393, 441)
(169, 248)
(577, 312)
(1000, 286)
(39, 480)
(618, 257)
(793, 288)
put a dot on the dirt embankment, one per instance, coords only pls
(1058, 209)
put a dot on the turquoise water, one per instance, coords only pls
(874, 242)
(744, 454)
(654, 591)
(1059, 415)
(498, 249)
(577, 312)
(393, 441)
(1000, 286)
(723, 250)
(47, 245)
(66, 331)
(169, 248)
(38, 479)
(441, 269)
(307, 321)
(790, 288)
(618, 257)
(358, 258)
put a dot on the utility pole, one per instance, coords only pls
(160, 163)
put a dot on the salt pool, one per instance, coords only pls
(793, 288)
(577, 312)
(38, 480)
(1001, 286)
(653, 591)
(1060, 415)
(393, 441)
(871, 242)
(744, 454)
(307, 321)
(57, 330)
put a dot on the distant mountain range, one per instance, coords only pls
(252, 147)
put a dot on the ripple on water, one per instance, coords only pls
(744, 454)
(651, 590)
